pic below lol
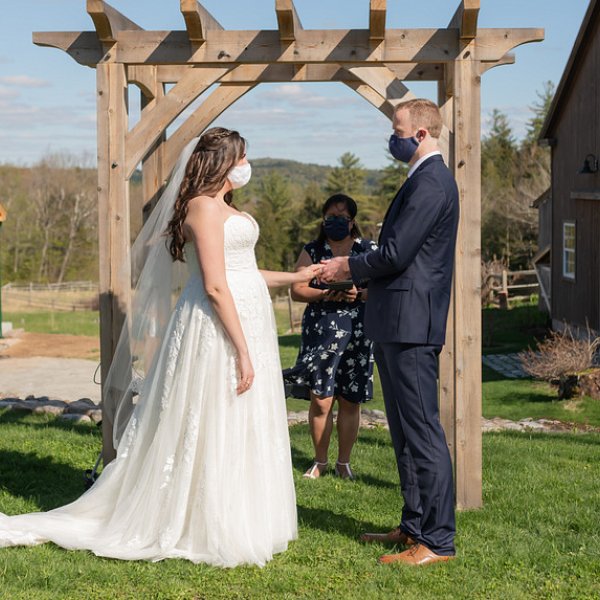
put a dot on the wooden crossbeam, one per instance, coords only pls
(465, 19)
(280, 73)
(83, 47)
(424, 46)
(108, 21)
(287, 20)
(198, 21)
(315, 46)
(377, 10)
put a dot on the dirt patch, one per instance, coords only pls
(53, 345)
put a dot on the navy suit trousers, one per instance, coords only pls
(408, 374)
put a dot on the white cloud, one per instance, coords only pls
(24, 81)
(7, 93)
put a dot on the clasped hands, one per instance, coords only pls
(328, 271)
(337, 269)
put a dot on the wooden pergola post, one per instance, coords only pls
(375, 62)
(113, 225)
(467, 282)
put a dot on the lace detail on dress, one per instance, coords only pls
(128, 437)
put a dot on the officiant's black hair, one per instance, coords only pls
(352, 209)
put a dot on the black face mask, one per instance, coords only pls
(336, 228)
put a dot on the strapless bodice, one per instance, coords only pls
(240, 236)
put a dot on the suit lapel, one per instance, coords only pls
(396, 201)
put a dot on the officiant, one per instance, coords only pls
(335, 361)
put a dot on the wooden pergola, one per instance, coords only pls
(375, 62)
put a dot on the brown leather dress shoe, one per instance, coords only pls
(396, 536)
(418, 555)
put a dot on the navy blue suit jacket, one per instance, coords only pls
(410, 274)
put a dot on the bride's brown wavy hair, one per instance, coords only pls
(218, 150)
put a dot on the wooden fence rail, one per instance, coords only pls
(69, 296)
(512, 285)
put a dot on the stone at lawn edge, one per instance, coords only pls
(48, 409)
(81, 406)
(95, 415)
(75, 418)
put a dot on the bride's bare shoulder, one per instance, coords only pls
(202, 212)
(204, 207)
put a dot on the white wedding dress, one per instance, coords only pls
(201, 473)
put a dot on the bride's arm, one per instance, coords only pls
(282, 278)
(204, 223)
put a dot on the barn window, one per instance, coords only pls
(569, 249)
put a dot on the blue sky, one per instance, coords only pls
(47, 100)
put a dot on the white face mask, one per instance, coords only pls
(240, 175)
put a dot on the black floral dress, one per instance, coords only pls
(335, 358)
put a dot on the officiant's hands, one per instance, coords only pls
(245, 373)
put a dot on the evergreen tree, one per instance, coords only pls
(273, 212)
(498, 169)
(347, 178)
(311, 215)
(540, 110)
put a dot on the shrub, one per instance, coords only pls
(560, 355)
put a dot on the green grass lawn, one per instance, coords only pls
(536, 537)
(85, 322)
(517, 399)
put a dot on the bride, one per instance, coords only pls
(203, 468)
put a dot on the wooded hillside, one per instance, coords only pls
(51, 231)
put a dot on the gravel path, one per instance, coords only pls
(65, 379)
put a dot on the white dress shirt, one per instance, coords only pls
(421, 161)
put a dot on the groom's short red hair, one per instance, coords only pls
(423, 113)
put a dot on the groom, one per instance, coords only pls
(410, 276)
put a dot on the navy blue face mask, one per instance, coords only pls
(336, 228)
(403, 148)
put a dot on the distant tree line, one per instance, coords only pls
(51, 234)
(513, 175)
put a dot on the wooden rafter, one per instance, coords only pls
(198, 21)
(424, 46)
(218, 101)
(108, 21)
(377, 10)
(372, 97)
(384, 81)
(507, 59)
(288, 20)
(465, 19)
(164, 112)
